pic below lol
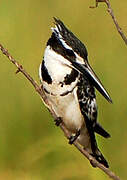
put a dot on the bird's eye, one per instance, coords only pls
(69, 52)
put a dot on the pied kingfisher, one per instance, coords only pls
(69, 84)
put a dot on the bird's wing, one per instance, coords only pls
(87, 102)
(87, 99)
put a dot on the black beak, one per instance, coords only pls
(87, 71)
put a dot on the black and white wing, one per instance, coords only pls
(87, 101)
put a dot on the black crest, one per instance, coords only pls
(70, 39)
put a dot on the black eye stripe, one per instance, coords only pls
(70, 52)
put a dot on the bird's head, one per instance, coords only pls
(66, 44)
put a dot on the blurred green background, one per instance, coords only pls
(31, 147)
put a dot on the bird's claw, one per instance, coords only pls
(73, 138)
(58, 121)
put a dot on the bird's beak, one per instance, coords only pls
(87, 71)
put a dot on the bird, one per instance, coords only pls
(69, 83)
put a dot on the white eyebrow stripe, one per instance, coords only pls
(60, 37)
(65, 44)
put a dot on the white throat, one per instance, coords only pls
(58, 67)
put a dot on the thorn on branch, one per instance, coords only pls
(19, 69)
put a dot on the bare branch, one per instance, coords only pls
(40, 91)
(110, 11)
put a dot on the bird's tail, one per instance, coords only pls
(90, 145)
(88, 140)
(100, 158)
(101, 131)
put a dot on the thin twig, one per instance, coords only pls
(110, 11)
(40, 91)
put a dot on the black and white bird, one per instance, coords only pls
(69, 83)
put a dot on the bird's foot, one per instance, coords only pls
(91, 161)
(58, 121)
(73, 138)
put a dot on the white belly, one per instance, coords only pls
(67, 107)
